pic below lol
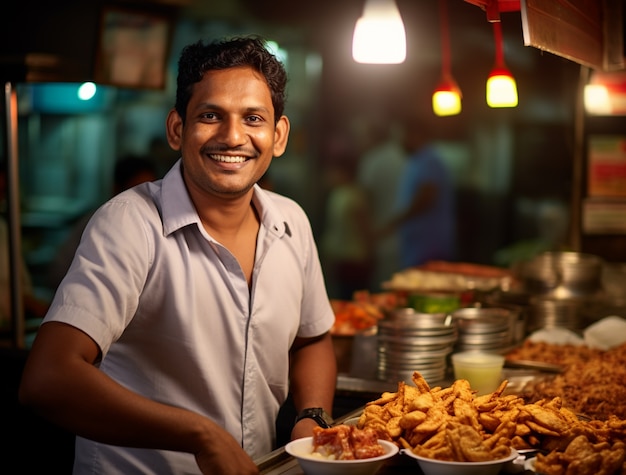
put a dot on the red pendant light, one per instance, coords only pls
(447, 95)
(501, 86)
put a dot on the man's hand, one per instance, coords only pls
(225, 457)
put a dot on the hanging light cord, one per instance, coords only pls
(445, 39)
(497, 35)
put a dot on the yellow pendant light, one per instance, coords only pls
(379, 36)
(447, 98)
(447, 95)
(501, 86)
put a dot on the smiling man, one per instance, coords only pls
(196, 303)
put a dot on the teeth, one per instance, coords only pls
(228, 158)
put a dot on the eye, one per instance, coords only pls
(209, 116)
(254, 119)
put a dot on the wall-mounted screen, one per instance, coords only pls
(133, 47)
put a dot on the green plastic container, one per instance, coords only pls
(434, 302)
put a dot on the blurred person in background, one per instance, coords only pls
(346, 242)
(424, 216)
(196, 303)
(129, 170)
(381, 165)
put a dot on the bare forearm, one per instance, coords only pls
(100, 409)
(314, 375)
(106, 412)
(68, 390)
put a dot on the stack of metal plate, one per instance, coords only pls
(561, 284)
(486, 329)
(411, 341)
(547, 312)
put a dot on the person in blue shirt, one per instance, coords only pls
(424, 217)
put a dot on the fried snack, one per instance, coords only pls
(456, 425)
(469, 446)
(583, 457)
(559, 354)
(441, 423)
(343, 442)
(593, 382)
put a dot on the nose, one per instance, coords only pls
(231, 132)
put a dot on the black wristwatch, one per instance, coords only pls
(318, 414)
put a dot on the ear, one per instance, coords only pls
(174, 129)
(281, 135)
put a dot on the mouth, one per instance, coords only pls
(228, 158)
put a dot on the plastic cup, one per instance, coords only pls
(482, 370)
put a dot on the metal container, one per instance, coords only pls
(562, 274)
(410, 341)
(485, 328)
(549, 312)
(514, 301)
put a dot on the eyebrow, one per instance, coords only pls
(211, 106)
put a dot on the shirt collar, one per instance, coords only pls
(178, 211)
(271, 216)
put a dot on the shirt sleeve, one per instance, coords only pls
(100, 292)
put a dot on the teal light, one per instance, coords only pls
(71, 98)
(86, 91)
(277, 51)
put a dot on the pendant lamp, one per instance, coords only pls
(599, 89)
(379, 36)
(447, 95)
(501, 86)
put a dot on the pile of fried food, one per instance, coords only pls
(454, 424)
(344, 442)
(354, 316)
(593, 382)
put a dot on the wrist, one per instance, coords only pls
(317, 414)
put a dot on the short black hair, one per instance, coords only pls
(198, 58)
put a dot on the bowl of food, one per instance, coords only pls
(321, 455)
(432, 466)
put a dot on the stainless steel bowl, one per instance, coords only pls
(562, 274)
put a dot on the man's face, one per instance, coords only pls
(229, 137)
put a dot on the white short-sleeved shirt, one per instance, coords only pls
(171, 311)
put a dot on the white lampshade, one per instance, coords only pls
(379, 36)
(597, 99)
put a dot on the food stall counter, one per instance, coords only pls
(279, 462)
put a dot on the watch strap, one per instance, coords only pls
(318, 414)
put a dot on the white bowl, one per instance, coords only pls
(302, 450)
(444, 467)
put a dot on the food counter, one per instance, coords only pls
(571, 364)
(279, 462)
(353, 393)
